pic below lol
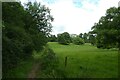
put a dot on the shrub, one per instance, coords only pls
(78, 41)
(48, 57)
(49, 63)
(64, 38)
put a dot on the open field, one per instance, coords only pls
(83, 61)
(86, 61)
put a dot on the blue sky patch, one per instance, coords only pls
(95, 2)
(77, 3)
(50, 1)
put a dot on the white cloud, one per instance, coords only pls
(77, 20)
(74, 19)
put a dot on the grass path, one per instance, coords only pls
(36, 68)
(33, 72)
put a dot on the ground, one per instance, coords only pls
(33, 72)
(83, 61)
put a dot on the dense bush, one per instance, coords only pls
(92, 39)
(52, 38)
(47, 57)
(104, 45)
(78, 41)
(24, 30)
(49, 63)
(64, 38)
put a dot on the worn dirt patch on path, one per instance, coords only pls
(35, 69)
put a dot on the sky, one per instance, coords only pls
(76, 16)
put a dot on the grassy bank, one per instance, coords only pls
(40, 65)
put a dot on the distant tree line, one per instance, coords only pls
(105, 34)
(24, 29)
(66, 38)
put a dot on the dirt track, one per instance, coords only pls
(33, 72)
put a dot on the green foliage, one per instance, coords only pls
(49, 64)
(92, 39)
(108, 29)
(86, 37)
(81, 35)
(47, 57)
(78, 41)
(17, 44)
(21, 71)
(46, 61)
(64, 38)
(52, 38)
(24, 30)
(41, 17)
(39, 41)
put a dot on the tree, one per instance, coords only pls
(41, 17)
(78, 40)
(81, 35)
(40, 23)
(52, 38)
(92, 39)
(64, 38)
(85, 37)
(108, 29)
(16, 43)
(23, 30)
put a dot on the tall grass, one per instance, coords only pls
(21, 71)
(86, 61)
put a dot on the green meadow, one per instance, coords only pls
(31, 50)
(83, 61)
(86, 61)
